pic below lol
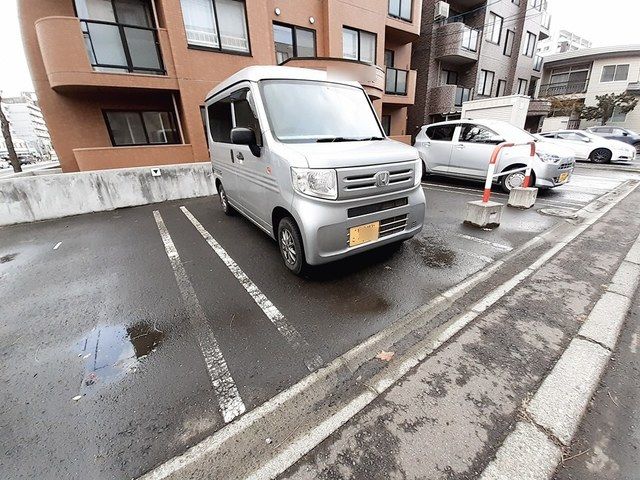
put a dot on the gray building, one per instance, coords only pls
(27, 124)
(474, 49)
(562, 41)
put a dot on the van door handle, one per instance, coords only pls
(239, 156)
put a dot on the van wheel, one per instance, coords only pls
(224, 201)
(291, 247)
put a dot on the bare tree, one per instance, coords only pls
(6, 133)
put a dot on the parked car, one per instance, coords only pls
(589, 146)
(463, 148)
(618, 133)
(307, 161)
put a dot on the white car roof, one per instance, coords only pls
(269, 72)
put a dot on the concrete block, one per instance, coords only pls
(625, 280)
(605, 320)
(484, 215)
(521, 197)
(634, 253)
(562, 399)
(526, 454)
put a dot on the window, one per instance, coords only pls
(389, 58)
(502, 88)
(485, 82)
(141, 127)
(615, 73)
(529, 45)
(470, 133)
(400, 9)
(233, 111)
(573, 136)
(448, 77)
(386, 124)
(291, 41)
(533, 84)
(537, 63)
(522, 86)
(216, 24)
(470, 39)
(508, 43)
(618, 116)
(443, 133)
(537, 4)
(358, 45)
(494, 28)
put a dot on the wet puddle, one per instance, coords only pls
(110, 352)
(433, 252)
(8, 258)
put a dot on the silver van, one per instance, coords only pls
(462, 148)
(306, 159)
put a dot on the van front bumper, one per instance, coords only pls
(325, 225)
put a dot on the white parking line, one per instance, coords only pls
(499, 246)
(229, 400)
(288, 331)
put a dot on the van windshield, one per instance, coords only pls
(311, 111)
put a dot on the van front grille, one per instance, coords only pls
(392, 225)
(377, 207)
(357, 182)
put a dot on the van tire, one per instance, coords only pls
(224, 201)
(291, 246)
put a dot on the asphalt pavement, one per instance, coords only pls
(105, 372)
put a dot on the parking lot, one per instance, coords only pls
(128, 336)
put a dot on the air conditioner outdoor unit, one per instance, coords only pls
(442, 11)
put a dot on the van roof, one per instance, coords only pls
(265, 72)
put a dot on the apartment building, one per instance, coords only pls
(471, 49)
(121, 83)
(27, 123)
(561, 41)
(581, 75)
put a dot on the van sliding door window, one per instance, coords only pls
(220, 120)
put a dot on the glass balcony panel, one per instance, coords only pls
(142, 48)
(107, 45)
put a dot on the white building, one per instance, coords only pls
(561, 41)
(27, 124)
(583, 74)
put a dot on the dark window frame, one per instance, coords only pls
(220, 49)
(528, 45)
(375, 44)
(494, 25)
(615, 71)
(295, 39)
(399, 16)
(504, 89)
(123, 39)
(526, 84)
(382, 122)
(172, 117)
(449, 73)
(484, 84)
(393, 57)
(509, 35)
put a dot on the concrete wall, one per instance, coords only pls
(512, 109)
(43, 197)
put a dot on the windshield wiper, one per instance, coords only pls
(346, 139)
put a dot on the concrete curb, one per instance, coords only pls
(559, 404)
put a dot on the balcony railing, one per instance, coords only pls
(470, 39)
(396, 81)
(462, 95)
(563, 88)
(119, 47)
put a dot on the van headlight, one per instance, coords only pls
(548, 158)
(315, 182)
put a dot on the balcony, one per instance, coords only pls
(403, 20)
(100, 54)
(456, 43)
(448, 98)
(400, 87)
(371, 77)
(564, 88)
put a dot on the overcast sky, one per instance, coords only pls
(608, 22)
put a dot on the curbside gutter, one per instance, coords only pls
(534, 449)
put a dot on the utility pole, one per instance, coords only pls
(6, 133)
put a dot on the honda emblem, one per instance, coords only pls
(382, 178)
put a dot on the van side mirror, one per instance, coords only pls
(245, 136)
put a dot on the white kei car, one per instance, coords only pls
(589, 146)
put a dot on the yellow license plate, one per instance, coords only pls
(563, 176)
(364, 234)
